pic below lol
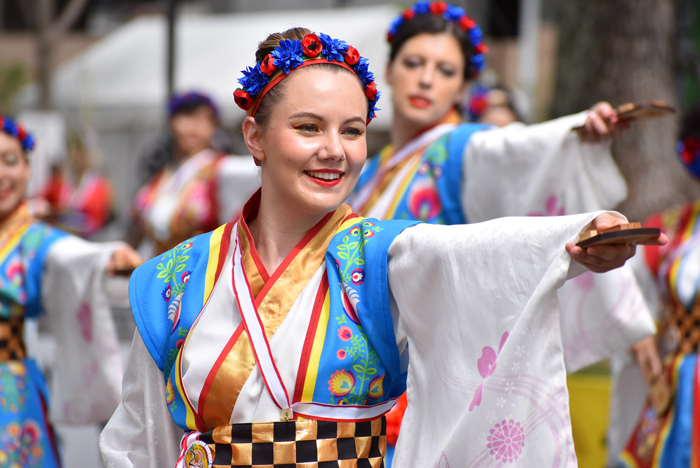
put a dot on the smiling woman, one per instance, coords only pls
(280, 339)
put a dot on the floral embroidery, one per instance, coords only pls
(21, 445)
(174, 311)
(487, 366)
(506, 441)
(185, 277)
(358, 276)
(344, 333)
(13, 386)
(350, 298)
(169, 393)
(551, 208)
(167, 292)
(423, 200)
(341, 383)
(84, 317)
(341, 354)
(376, 387)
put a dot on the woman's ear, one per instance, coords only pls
(253, 138)
(388, 77)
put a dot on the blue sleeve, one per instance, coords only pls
(48, 236)
(165, 286)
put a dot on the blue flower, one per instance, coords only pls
(10, 127)
(478, 61)
(395, 25)
(453, 13)
(253, 80)
(422, 8)
(362, 69)
(288, 55)
(475, 35)
(333, 48)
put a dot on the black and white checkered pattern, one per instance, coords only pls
(299, 444)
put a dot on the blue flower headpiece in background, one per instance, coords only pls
(191, 99)
(453, 14)
(292, 54)
(18, 131)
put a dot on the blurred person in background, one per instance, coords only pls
(670, 276)
(84, 206)
(442, 171)
(43, 269)
(493, 106)
(191, 194)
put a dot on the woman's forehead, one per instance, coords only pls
(9, 143)
(316, 89)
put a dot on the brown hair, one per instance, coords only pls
(276, 93)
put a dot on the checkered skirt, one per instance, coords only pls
(293, 444)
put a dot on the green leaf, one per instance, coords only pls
(360, 261)
(180, 268)
(352, 245)
(346, 239)
(343, 255)
(163, 274)
(342, 247)
(358, 368)
(371, 371)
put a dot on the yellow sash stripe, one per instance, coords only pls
(213, 262)
(402, 189)
(315, 358)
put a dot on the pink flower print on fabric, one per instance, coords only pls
(341, 383)
(551, 208)
(486, 365)
(341, 354)
(442, 462)
(423, 201)
(506, 441)
(344, 333)
(84, 317)
(585, 281)
(358, 275)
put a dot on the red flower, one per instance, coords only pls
(389, 36)
(341, 354)
(481, 48)
(351, 56)
(371, 91)
(408, 14)
(243, 99)
(312, 45)
(344, 333)
(466, 23)
(267, 66)
(21, 132)
(438, 8)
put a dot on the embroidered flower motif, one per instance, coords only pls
(341, 354)
(476, 399)
(311, 45)
(487, 362)
(551, 208)
(423, 201)
(376, 387)
(84, 317)
(179, 343)
(341, 383)
(185, 277)
(169, 393)
(355, 231)
(369, 234)
(166, 293)
(358, 276)
(506, 441)
(288, 55)
(174, 311)
(344, 333)
(16, 368)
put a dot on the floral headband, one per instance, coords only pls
(18, 131)
(292, 54)
(179, 101)
(453, 14)
(689, 151)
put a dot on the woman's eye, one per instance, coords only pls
(447, 71)
(354, 132)
(306, 128)
(411, 62)
(10, 159)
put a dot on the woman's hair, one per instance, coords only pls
(276, 93)
(432, 24)
(690, 125)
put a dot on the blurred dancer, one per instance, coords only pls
(493, 106)
(44, 269)
(671, 275)
(443, 172)
(188, 195)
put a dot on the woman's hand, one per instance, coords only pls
(602, 258)
(602, 123)
(647, 356)
(123, 259)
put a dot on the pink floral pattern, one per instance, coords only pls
(506, 441)
(487, 366)
(344, 333)
(84, 317)
(551, 208)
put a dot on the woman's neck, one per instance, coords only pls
(276, 230)
(403, 131)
